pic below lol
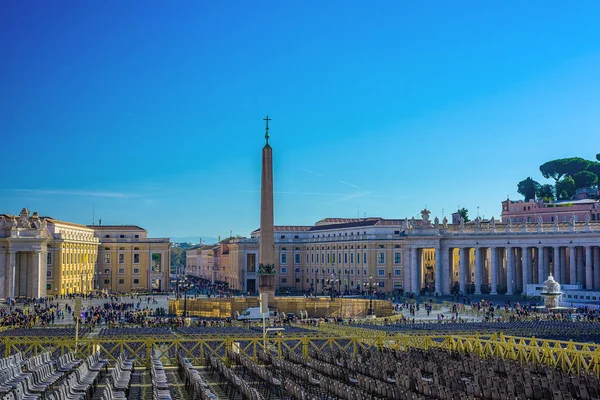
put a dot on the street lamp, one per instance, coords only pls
(370, 289)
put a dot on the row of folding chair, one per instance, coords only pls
(195, 385)
(160, 385)
(79, 384)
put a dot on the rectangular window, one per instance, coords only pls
(284, 270)
(121, 270)
(365, 272)
(339, 258)
(136, 270)
(107, 270)
(380, 272)
(283, 258)
(312, 258)
(49, 274)
(364, 258)
(48, 286)
(121, 258)
(351, 258)
(381, 258)
(121, 281)
(307, 258)
(397, 258)
(136, 258)
(345, 258)
(49, 259)
(358, 258)
(283, 280)
(296, 258)
(322, 258)
(107, 281)
(136, 281)
(397, 272)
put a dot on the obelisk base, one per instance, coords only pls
(266, 285)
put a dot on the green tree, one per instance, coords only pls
(464, 213)
(594, 167)
(528, 188)
(552, 169)
(545, 192)
(574, 165)
(556, 169)
(178, 258)
(585, 179)
(598, 156)
(565, 188)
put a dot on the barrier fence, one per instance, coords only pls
(570, 357)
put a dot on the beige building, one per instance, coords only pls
(210, 262)
(42, 256)
(129, 261)
(423, 256)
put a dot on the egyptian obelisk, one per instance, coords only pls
(266, 279)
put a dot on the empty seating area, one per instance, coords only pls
(45, 332)
(106, 333)
(554, 330)
(43, 376)
(195, 386)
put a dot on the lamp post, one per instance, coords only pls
(370, 289)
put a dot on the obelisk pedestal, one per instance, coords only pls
(266, 270)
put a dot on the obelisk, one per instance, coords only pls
(266, 278)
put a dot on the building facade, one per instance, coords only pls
(423, 256)
(129, 261)
(41, 256)
(562, 211)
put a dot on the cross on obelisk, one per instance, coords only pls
(267, 131)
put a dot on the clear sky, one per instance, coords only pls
(150, 112)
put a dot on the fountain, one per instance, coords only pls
(551, 293)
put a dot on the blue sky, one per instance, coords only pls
(150, 112)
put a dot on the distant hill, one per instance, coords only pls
(194, 239)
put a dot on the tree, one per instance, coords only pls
(594, 167)
(528, 188)
(464, 213)
(585, 179)
(178, 258)
(565, 188)
(574, 165)
(598, 156)
(552, 169)
(545, 192)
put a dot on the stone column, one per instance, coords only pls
(478, 270)
(596, 268)
(493, 270)
(589, 283)
(563, 265)
(438, 271)
(414, 264)
(509, 271)
(446, 278)
(572, 266)
(407, 269)
(11, 269)
(580, 266)
(518, 270)
(462, 272)
(556, 264)
(526, 266)
(541, 277)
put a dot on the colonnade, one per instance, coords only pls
(504, 269)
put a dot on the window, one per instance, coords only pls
(137, 236)
(121, 258)
(351, 258)
(49, 258)
(364, 258)
(136, 258)
(121, 270)
(49, 274)
(312, 258)
(397, 272)
(307, 258)
(107, 281)
(283, 280)
(358, 258)
(297, 280)
(121, 281)
(136, 281)
(297, 270)
(380, 272)
(381, 258)
(284, 270)
(345, 258)
(284, 258)
(397, 258)
(296, 258)
(106, 236)
(122, 236)
(107, 259)
(136, 270)
(358, 272)
(107, 270)
(48, 286)
(339, 258)
(282, 236)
